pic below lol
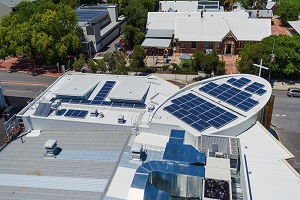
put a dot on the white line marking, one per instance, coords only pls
(283, 115)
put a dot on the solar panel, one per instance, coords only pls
(241, 82)
(231, 95)
(231, 80)
(69, 113)
(106, 88)
(199, 113)
(75, 113)
(82, 114)
(256, 88)
(260, 91)
(39, 109)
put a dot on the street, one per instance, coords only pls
(285, 120)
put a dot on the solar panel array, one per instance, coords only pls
(76, 113)
(101, 96)
(43, 110)
(230, 95)
(239, 82)
(198, 113)
(106, 88)
(256, 88)
(87, 15)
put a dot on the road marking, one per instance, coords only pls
(277, 115)
(16, 91)
(283, 115)
(24, 83)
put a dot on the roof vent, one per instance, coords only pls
(51, 148)
(94, 113)
(121, 119)
(136, 151)
(151, 107)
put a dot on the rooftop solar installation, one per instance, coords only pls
(230, 95)
(106, 88)
(76, 113)
(199, 113)
(85, 15)
(239, 82)
(256, 88)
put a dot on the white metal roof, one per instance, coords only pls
(160, 33)
(271, 177)
(130, 90)
(244, 119)
(77, 87)
(270, 4)
(200, 29)
(295, 25)
(217, 168)
(216, 28)
(155, 42)
(250, 29)
(166, 20)
(179, 6)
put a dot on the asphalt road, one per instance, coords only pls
(22, 84)
(285, 119)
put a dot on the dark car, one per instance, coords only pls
(293, 92)
(10, 111)
(119, 46)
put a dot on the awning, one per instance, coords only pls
(154, 42)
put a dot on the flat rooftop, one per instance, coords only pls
(82, 170)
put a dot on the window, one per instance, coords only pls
(182, 44)
(194, 44)
(206, 45)
(217, 45)
(240, 44)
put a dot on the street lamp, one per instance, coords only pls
(272, 56)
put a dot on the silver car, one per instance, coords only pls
(293, 92)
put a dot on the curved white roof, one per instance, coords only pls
(218, 105)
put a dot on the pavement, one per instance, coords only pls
(230, 61)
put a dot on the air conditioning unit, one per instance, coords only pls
(219, 155)
(136, 151)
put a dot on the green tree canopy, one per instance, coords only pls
(132, 36)
(41, 30)
(208, 63)
(288, 11)
(137, 57)
(286, 51)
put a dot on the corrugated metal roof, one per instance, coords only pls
(201, 29)
(270, 4)
(216, 28)
(250, 29)
(130, 90)
(166, 20)
(23, 165)
(179, 6)
(78, 87)
(159, 43)
(295, 25)
(159, 33)
(270, 175)
(12, 3)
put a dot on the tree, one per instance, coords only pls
(286, 50)
(288, 11)
(71, 3)
(79, 63)
(41, 30)
(136, 14)
(132, 36)
(197, 60)
(137, 57)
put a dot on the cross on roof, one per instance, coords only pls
(260, 66)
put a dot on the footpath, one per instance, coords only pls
(179, 79)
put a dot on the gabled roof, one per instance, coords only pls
(200, 29)
(159, 33)
(250, 29)
(295, 25)
(270, 4)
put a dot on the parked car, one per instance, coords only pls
(119, 46)
(293, 92)
(10, 111)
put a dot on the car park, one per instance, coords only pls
(10, 111)
(293, 92)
